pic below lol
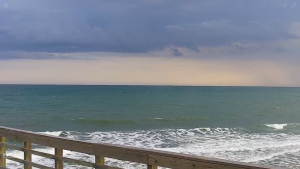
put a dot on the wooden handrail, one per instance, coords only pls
(27, 155)
(2, 152)
(41, 154)
(152, 158)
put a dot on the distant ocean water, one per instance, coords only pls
(249, 124)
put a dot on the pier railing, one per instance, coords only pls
(152, 158)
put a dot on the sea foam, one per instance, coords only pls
(225, 143)
(276, 126)
(53, 133)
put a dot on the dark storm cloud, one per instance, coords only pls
(140, 26)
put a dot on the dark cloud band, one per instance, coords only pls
(141, 26)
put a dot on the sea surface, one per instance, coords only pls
(248, 124)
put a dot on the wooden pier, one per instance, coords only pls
(151, 158)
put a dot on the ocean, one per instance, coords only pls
(258, 125)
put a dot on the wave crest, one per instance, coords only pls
(225, 143)
(276, 126)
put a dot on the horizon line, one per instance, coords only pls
(158, 85)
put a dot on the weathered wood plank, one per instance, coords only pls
(151, 167)
(140, 155)
(99, 160)
(172, 160)
(106, 150)
(51, 156)
(27, 155)
(2, 153)
(59, 163)
(27, 163)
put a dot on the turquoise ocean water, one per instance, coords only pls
(249, 124)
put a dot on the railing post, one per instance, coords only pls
(27, 155)
(151, 167)
(58, 163)
(99, 160)
(2, 153)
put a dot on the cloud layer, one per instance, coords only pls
(141, 26)
(164, 42)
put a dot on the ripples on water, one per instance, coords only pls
(248, 124)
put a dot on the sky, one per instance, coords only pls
(150, 42)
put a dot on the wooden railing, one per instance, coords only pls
(152, 158)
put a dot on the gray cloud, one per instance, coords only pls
(33, 55)
(132, 26)
(176, 52)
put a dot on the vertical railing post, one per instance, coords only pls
(2, 153)
(151, 167)
(58, 163)
(27, 155)
(99, 160)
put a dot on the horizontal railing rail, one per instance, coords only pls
(152, 158)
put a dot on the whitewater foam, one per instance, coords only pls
(276, 126)
(53, 133)
(224, 143)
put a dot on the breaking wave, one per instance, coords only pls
(277, 149)
(276, 126)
